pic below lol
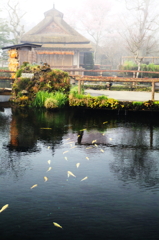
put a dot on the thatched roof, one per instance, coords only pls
(54, 30)
(23, 45)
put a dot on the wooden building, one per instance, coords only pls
(61, 45)
(20, 53)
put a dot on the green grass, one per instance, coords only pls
(124, 87)
(74, 90)
(42, 96)
(61, 99)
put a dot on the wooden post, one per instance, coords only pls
(79, 86)
(153, 90)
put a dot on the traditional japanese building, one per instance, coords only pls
(61, 45)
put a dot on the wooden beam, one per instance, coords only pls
(115, 79)
(79, 87)
(153, 91)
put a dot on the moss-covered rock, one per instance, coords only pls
(44, 79)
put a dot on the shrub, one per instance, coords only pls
(18, 73)
(20, 84)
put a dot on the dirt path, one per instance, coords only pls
(123, 95)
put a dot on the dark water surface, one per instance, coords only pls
(118, 200)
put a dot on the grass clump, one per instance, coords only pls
(51, 103)
(50, 100)
(137, 103)
(40, 98)
(61, 98)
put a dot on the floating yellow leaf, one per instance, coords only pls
(84, 179)
(66, 158)
(49, 169)
(57, 225)
(110, 139)
(48, 147)
(105, 122)
(102, 150)
(4, 208)
(45, 179)
(49, 161)
(69, 142)
(94, 141)
(88, 147)
(34, 186)
(77, 165)
(73, 147)
(69, 173)
(67, 139)
(65, 152)
(95, 145)
(87, 158)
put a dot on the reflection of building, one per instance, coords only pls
(22, 136)
(61, 44)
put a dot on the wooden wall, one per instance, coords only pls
(27, 56)
(55, 59)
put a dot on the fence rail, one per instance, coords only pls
(81, 78)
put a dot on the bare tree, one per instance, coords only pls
(141, 30)
(94, 21)
(113, 49)
(15, 20)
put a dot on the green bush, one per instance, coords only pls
(18, 73)
(130, 65)
(74, 89)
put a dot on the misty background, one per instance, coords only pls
(119, 30)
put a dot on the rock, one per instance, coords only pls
(24, 92)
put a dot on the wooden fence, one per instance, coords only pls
(81, 78)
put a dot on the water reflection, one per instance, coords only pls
(106, 205)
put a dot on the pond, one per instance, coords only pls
(110, 192)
